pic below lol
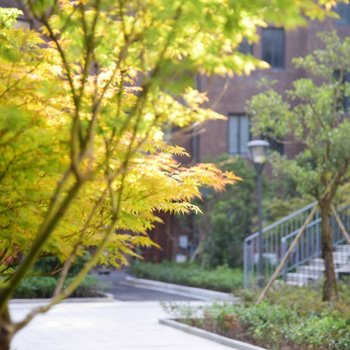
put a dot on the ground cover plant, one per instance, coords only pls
(222, 278)
(291, 318)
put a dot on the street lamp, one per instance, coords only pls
(258, 153)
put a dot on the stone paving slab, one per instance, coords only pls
(104, 326)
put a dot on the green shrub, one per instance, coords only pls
(221, 279)
(295, 318)
(87, 288)
(228, 216)
(317, 331)
(51, 265)
(44, 286)
(36, 287)
(267, 322)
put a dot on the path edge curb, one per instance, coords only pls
(236, 344)
(197, 293)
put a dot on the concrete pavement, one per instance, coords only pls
(104, 326)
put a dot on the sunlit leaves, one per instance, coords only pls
(8, 17)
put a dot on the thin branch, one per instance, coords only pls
(60, 50)
(43, 235)
(72, 255)
(18, 81)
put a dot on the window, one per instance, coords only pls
(343, 11)
(273, 47)
(245, 48)
(238, 134)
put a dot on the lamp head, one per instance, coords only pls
(258, 151)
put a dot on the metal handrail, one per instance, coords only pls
(294, 233)
(313, 251)
(282, 221)
(276, 239)
(272, 235)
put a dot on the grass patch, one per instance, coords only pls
(221, 279)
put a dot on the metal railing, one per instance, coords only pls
(309, 248)
(277, 238)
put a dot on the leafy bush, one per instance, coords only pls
(87, 288)
(290, 318)
(228, 216)
(221, 279)
(36, 287)
(51, 265)
(44, 286)
(306, 301)
(273, 325)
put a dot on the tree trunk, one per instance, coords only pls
(5, 329)
(330, 283)
(5, 339)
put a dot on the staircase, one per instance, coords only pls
(305, 265)
(313, 271)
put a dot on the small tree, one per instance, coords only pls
(83, 109)
(315, 114)
(228, 217)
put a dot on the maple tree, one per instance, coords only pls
(85, 101)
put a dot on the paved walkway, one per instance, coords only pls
(104, 326)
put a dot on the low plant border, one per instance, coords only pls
(104, 297)
(210, 336)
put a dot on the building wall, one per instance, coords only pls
(214, 137)
(8, 3)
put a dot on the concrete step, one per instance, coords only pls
(343, 248)
(313, 271)
(341, 258)
(315, 268)
(343, 271)
(316, 262)
(300, 278)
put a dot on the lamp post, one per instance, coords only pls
(258, 153)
